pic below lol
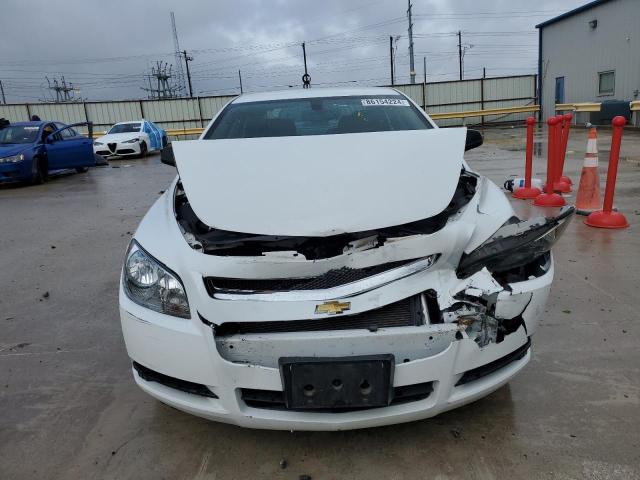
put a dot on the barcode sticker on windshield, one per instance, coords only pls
(371, 102)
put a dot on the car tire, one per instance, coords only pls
(82, 169)
(143, 149)
(39, 171)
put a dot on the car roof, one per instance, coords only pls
(315, 93)
(130, 121)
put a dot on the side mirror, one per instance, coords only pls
(166, 156)
(474, 139)
(49, 138)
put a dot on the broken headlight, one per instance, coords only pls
(515, 244)
(152, 285)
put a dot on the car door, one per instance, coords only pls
(66, 148)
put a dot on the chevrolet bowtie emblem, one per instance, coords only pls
(332, 308)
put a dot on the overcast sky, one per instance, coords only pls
(105, 48)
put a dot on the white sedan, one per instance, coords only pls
(130, 139)
(326, 260)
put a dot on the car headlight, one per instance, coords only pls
(97, 144)
(516, 244)
(12, 159)
(133, 140)
(152, 285)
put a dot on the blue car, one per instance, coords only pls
(29, 151)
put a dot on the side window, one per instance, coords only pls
(606, 82)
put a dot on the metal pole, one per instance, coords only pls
(391, 58)
(424, 67)
(187, 59)
(4, 100)
(240, 77)
(304, 54)
(484, 74)
(460, 53)
(412, 70)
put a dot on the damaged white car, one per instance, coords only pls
(326, 260)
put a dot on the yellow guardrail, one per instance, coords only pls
(485, 113)
(635, 106)
(176, 132)
(578, 107)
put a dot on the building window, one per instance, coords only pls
(606, 82)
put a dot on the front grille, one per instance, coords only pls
(112, 146)
(332, 278)
(126, 150)
(274, 400)
(171, 382)
(489, 368)
(404, 313)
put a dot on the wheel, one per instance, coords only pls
(82, 169)
(143, 149)
(39, 171)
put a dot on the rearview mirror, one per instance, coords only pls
(166, 156)
(474, 139)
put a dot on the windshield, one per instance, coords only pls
(125, 128)
(317, 116)
(19, 134)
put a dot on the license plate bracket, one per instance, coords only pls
(364, 381)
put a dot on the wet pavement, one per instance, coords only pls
(69, 407)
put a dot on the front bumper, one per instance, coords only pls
(10, 172)
(117, 149)
(187, 350)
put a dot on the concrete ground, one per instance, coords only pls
(69, 408)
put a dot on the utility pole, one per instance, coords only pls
(163, 79)
(306, 78)
(412, 71)
(4, 100)
(240, 78)
(64, 91)
(460, 52)
(424, 67)
(188, 59)
(391, 59)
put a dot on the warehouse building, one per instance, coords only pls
(590, 54)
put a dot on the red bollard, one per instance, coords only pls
(558, 184)
(565, 141)
(527, 192)
(549, 198)
(607, 218)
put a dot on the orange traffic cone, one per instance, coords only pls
(588, 198)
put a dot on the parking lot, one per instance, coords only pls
(70, 409)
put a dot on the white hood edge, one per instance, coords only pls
(321, 185)
(118, 137)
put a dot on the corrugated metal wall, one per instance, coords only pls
(453, 96)
(478, 94)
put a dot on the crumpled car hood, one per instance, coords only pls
(321, 185)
